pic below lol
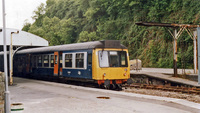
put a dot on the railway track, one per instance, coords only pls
(182, 89)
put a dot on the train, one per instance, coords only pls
(103, 62)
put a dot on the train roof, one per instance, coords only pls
(76, 46)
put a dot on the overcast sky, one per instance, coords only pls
(17, 11)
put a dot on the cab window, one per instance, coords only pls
(113, 59)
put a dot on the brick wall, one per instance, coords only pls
(2, 89)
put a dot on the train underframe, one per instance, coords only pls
(113, 84)
(105, 84)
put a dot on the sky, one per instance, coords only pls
(17, 11)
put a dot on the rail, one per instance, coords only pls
(189, 90)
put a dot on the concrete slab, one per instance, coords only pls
(165, 74)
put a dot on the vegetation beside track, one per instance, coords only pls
(71, 21)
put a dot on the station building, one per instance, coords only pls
(21, 39)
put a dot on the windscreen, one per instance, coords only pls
(112, 59)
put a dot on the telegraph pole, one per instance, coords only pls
(198, 40)
(7, 96)
(195, 51)
(175, 53)
(176, 35)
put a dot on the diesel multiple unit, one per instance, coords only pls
(102, 62)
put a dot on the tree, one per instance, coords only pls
(26, 26)
(71, 21)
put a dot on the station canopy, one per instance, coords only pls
(22, 38)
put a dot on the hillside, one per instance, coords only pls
(71, 21)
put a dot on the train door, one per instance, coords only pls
(28, 63)
(60, 62)
(90, 64)
(57, 63)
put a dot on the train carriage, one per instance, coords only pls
(103, 62)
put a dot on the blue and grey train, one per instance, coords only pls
(103, 62)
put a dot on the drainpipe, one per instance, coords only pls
(11, 57)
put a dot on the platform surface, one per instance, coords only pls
(48, 97)
(167, 74)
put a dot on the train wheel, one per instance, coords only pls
(113, 86)
(107, 86)
(119, 87)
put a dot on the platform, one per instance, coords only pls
(49, 97)
(166, 74)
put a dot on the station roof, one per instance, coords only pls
(22, 38)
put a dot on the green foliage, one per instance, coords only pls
(71, 21)
(85, 36)
(26, 27)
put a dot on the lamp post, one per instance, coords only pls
(11, 57)
(7, 96)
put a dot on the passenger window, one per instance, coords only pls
(34, 61)
(27, 60)
(61, 61)
(56, 59)
(52, 60)
(90, 59)
(31, 61)
(68, 60)
(46, 61)
(20, 60)
(39, 61)
(80, 60)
